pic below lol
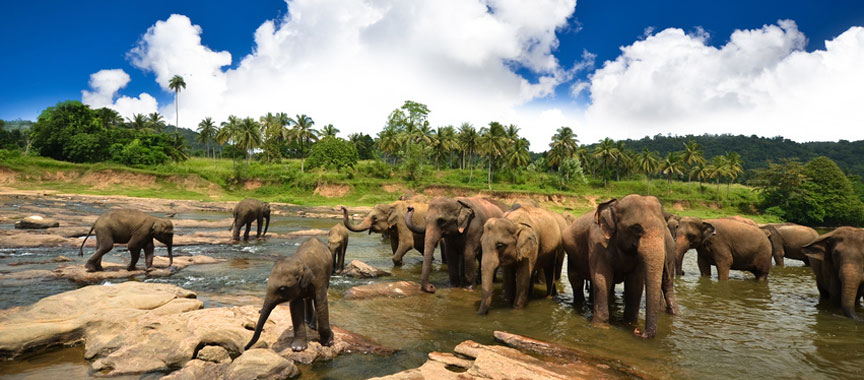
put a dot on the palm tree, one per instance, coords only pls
(564, 144)
(328, 131)
(468, 143)
(178, 150)
(443, 141)
(518, 155)
(138, 122)
(671, 165)
(248, 137)
(155, 122)
(606, 151)
(303, 134)
(734, 167)
(176, 83)
(492, 143)
(388, 141)
(692, 156)
(647, 162)
(701, 172)
(717, 170)
(273, 126)
(207, 133)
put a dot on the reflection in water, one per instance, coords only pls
(736, 329)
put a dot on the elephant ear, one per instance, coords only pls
(708, 231)
(526, 242)
(819, 249)
(306, 277)
(392, 217)
(605, 217)
(466, 214)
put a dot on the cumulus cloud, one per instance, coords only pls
(761, 81)
(105, 85)
(351, 62)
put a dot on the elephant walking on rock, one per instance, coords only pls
(525, 239)
(133, 228)
(725, 243)
(247, 211)
(459, 223)
(390, 218)
(837, 259)
(787, 240)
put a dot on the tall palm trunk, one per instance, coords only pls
(470, 166)
(489, 181)
(177, 108)
(648, 183)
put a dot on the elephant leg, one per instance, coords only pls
(523, 284)
(310, 314)
(453, 267)
(509, 283)
(399, 251)
(603, 283)
(470, 258)
(669, 292)
(322, 312)
(778, 259)
(342, 251)
(148, 255)
(235, 232)
(259, 223)
(549, 273)
(723, 271)
(634, 284)
(443, 249)
(298, 314)
(135, 254)
(94, 263)
(248, 227)
(704, 266)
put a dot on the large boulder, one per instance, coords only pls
(261, 364)
(357, 268)
(397, 289)
(36, 222)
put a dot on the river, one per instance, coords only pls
(737, 329)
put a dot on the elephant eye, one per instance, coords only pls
(282, 289)
(499, 245)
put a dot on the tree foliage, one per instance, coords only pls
(332, 153)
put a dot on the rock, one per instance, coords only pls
(36, 222)
(198, 369)
(260, 363)
(111, 271)
(27, 274)
(397, 289)
(58, 259)
(215, 354)
(357, 268)
(477, 361)
(31, 240)
(302, 233)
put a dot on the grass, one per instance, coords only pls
(224, 179)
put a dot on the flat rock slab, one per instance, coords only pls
(359, 269)
(478, 361)
(135, 328)
(36, 222)
(113, 271)
(397, 289)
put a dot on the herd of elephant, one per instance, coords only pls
(630, 240)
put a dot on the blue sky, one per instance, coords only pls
(50, 49)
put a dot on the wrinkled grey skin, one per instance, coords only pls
(247, 211)
(459, 223)
(526, 239)
(390, 219)
(725, 243)
(133, 228)
(337, 241)
(787, 240)
(628, 241)
(837, 259)
(302, 280)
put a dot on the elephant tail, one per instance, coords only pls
(81, 249)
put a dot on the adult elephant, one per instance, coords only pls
(837, 259)
(525, 239)
(787, 240)
(459, 223)
(133, 228)
(725, 243)
(624, 240)
(247, 211)
(390, 219)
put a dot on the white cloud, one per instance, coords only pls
(106, 84)
(760, 82)
(351, 62)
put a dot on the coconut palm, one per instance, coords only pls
(607, 152)
(177, 149)
(671, 165)
(247, 136)
(138, 122)
(228, 131)
(492, 143)
(468, 144)
(647, 162)
(692, 157)
(518, 156)
(176, 83)
(155, 122)
(328, 131)
(207, 134)
(734, 167)
(443, 142)
(564, 144)
(303, 134)
(717, 170)
(388, 141)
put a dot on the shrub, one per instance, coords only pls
(137, 154)
(332, 153)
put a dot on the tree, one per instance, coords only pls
(177, 149)
(832, 191)
(155, 122)
(364, 144)
(70, 131)
(138, 122)
(333, 153)
(606, 151)
(564, 144)
(207, 134)
(468, 144)
(110, 118)
(328, 131)
(671, 165)
(176, 83)
(248, 137)
(273, 126)
(492, 143)
(443, 141)
(388, 141)
(303, 134)
(717, 170)
(518, 156)
(570, 171)
(734, 167)
(647, 162)
(691, 157)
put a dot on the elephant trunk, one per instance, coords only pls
(490, 263)
(681, 247)
(266, 224)
(409, 221)
(850, 281)
(363, 226)
(265, 313)
(430, 240)
(170, 246)
(652, 250)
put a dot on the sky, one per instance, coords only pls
(620, 69)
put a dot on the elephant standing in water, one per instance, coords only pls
(337, 241)
(302, 280)
(624, 240)
(133, 228)
(247, 211)
(725, 243)
(390, 219)
(787, 240)
(837, 259)
(459, 222)
(525, 239)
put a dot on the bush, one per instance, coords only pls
(332, 153)
(137, 154)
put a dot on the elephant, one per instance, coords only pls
(787, 240)
(337, 241)
(302, 280)
(390, 218)
(837, 259)
(247, 211)
(525, 239)
(725, 243)
(133, 228)
(628, 241)
(459, 223)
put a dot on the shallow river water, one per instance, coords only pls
(737, 329)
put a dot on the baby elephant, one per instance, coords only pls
(247, 211)
(133, 228)
(337, 240)
(302, 280)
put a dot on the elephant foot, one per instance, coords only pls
(149, 269)
(93, 267)
(131, 268)
(397, 262)
(298, 344)
(643, 335)
(428, 288)
(326, 337)
(313, 325)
